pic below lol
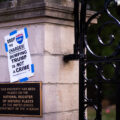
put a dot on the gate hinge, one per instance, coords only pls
(69, 57)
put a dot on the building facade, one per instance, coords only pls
(50, 28)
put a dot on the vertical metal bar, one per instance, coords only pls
(99, 93)
(117, 92)
(81, 61)
(118, 102)
(99, 98)
(76, 23)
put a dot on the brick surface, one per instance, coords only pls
(62, 116)
(59, 39)
(51, 116)
(56, 71)
(51, 69)
(69, 72)
(36, 38)
(4, 74)
(60, 97)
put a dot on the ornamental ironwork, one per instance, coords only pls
(87, 56)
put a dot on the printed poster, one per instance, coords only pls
(19, 59)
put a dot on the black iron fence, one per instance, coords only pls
(88, 57)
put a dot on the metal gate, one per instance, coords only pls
(82, 47)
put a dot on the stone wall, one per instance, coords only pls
(51, 36)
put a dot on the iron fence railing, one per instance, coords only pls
(98, 61)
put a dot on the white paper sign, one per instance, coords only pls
(19, 59)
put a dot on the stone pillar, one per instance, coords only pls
(51, 36)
